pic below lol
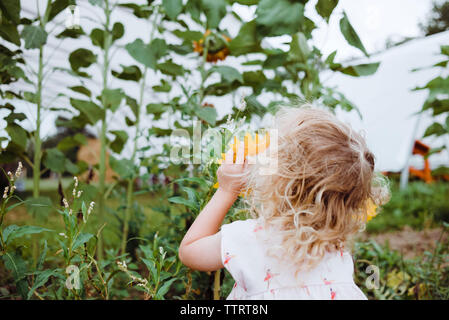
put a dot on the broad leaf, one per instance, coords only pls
(359, 70)
(246, 40)
(111, 98)
(172, 8)
(435, 129)
(207, 114)
(132, 73)
(147, 54)
(325, 8)
(215, 10)
(54, 160)
(228, 74)
(81, 58)
(92, 111)
(18, 232)
(119, 142)
(279, 17)
(81, 239)
(350, 35)
(123, 167)
(11, 10)
(34, 36)
(39, 207)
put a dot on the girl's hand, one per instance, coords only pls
(230, 175)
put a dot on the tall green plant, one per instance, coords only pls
(437, 104)
(147, 55)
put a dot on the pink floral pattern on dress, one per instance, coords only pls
(259, 275)
(228, 258)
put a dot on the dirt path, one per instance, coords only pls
(410, 242)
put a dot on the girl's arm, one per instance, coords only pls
(201, 247)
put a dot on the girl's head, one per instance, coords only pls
(325, 179)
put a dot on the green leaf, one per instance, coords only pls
(34, 36)
(40, 262)
(40, 280)
(73, 33)
(183, 201)
(207, 114)
(71, 167)
(246, 40)
(132, 103)
(228, 74)
(81, 58)
(359, 70)
(147, 54)
(247, 2)
(17, 266)
(18, 232)
(157, 109)
(58, 6)
(299, 50)
(138, 11)
(9, 32)
(165, 287)
(39, 206)
(215, 10)
(17, 134)
(118, 30)
(171, 68)
(11, 10)
(111, 98)
(445, 50)
(119, 141)
(350, 34)
(188, 35)
(279, 17)
(435, 129)
(159, 132)
(325, 8)
(131, 73)
(82, 90)
(172, 8)
(54, 160)
(201, 181)
(97, 37)
(123, 167)
(81, 239)
(436, 86)
(92, 111)
(71, 142)
(165, 86)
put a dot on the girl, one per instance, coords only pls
(295, 247)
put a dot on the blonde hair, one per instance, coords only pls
(318, 197)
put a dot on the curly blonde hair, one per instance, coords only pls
(318, 197)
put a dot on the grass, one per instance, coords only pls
(420, 206)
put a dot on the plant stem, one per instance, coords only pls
(217, 285)
(102, 164)
(37, 138)
(130, 187)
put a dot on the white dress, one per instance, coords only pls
(260, 277)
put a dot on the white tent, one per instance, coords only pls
(389, 107)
